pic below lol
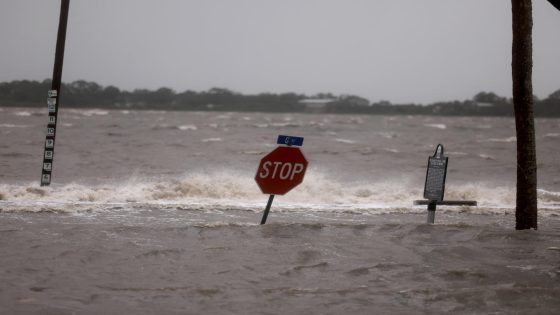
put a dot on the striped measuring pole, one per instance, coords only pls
(54, 95)
(48, 154)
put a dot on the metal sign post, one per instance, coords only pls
(281, 170)
(267, 209)
(434, 186)
(54, 96)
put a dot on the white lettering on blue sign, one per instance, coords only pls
(289, 140)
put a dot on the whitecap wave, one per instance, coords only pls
(506, 140)
(13, 126)
(486, 156)
(93, 112)
(187, 127)
(22, 114)
(211, 140)
(438, 126)
(348, 141)
(236, 190)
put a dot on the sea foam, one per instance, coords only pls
(238, 190)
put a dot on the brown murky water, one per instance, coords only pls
(158, 212)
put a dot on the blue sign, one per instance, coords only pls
(289, 140)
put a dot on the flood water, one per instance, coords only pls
(154, 212)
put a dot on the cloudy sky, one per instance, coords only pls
(396, 50)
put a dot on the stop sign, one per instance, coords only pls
(281, 170)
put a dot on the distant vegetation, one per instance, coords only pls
(84, 94)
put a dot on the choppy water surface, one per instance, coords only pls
(157, 212)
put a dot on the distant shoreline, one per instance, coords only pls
(85, 94)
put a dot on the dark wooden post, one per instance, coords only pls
(54, 95)
(522, 65)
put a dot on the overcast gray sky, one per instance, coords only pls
(397, 50)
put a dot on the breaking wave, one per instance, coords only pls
(235, 190)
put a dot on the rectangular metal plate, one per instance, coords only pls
(434, 186)
(46, 179)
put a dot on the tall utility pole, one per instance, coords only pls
(54, 95)
(522, 66)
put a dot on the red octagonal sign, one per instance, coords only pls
(281, 170)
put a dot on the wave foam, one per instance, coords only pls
(437, 126)
(12, 126)
(506, 140)
(237, 190)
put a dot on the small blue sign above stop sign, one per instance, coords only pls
(281, 170)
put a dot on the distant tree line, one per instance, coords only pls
(85, 94)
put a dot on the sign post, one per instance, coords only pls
(281, 170)
(434, 186)
(54, 95)
(267, 209)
